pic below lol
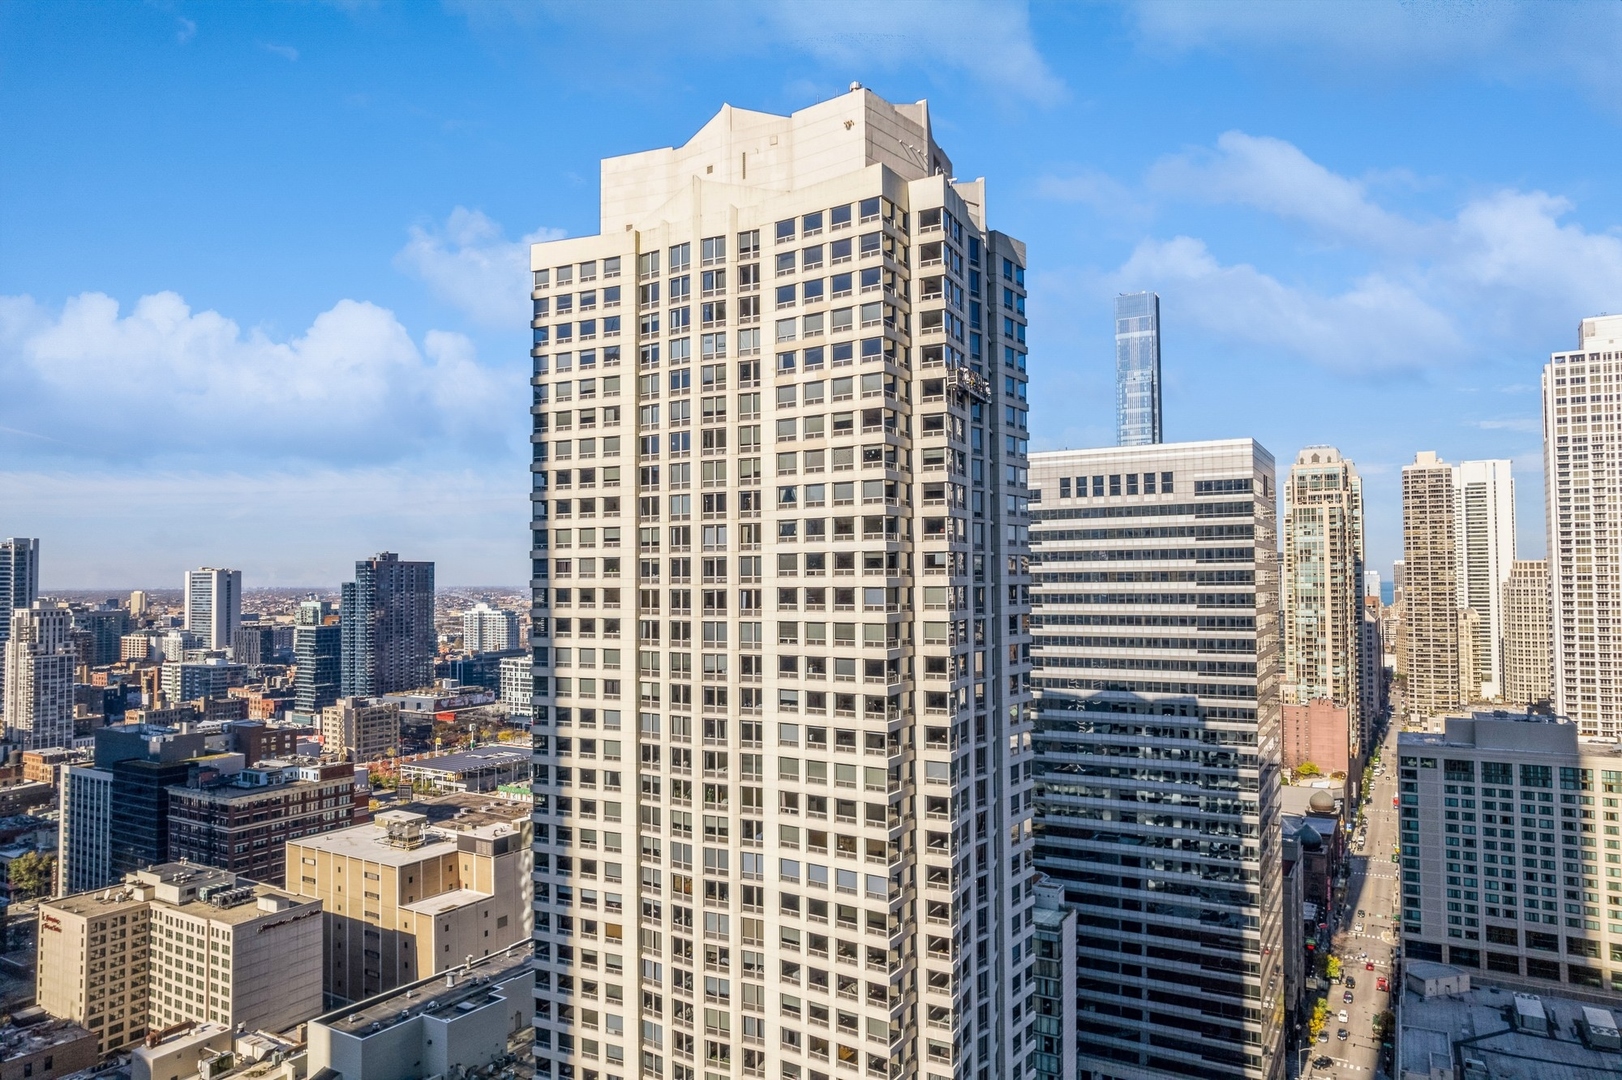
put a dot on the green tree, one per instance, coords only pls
(1307, 768)
(31, 874)
(1332, 967)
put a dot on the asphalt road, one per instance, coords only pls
(1372, 886)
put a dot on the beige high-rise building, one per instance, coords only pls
(174, 943)
(1323, 586)
(1430, 617)
(407, 897)
(780, 598)
(1582, 482)
(1526, 634)
(38, 673)
(360, 729)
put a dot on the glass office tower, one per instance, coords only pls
(1137, 369)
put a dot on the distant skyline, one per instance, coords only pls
(263, 300)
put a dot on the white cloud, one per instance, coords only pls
(470, 264)
(1526, 425)
(990, 41)
(1374, 325)
(1274, 176)
(286, 52)
(1440, 291)
(1575, 42)
(998, 43)
(164, 381)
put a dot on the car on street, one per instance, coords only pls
(1359, 913)
(1322, 1061)
(1368, 965)
(1351, 982)
(1347, 997)
(1342, 1017)
(1381, 984)
(1358, 929)
(1341, 1035)
(1323, 1036)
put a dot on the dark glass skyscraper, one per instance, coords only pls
(386, 621)
(1137, 369)
(317, 650)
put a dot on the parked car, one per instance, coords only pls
(1342, 1017)
(1341, 1035)
(1381, 984)
(1347, 997)
(1351, 983)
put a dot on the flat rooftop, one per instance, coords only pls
(1431, 1029)
(445, 901)
(465, 809)
(117, 898)
(480, 757)
(475, 985)
(372, 843)
(17, 1042)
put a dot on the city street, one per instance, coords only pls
(1372, 888)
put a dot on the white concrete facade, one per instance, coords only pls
(84, 854)
(213, 605)
(488, 629)
(1484, 532)
(38, 676)
(1582, 484)
(780, 452)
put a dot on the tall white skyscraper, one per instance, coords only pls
(781, 707)
(214, 605)
(38, 677)
(488, 629)
(1484, 532)
(1155, 596)
(1582, 449)
(1137, 369)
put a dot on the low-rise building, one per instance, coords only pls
(1319, 732)
(46, 766)
(479, 1015)
(1449, 1020)
(482, 768)
(257, 740)
(35, 1046)
(242, 821)
(450, 698)
(179, 943)
(408, 896)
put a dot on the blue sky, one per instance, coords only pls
(262, 300)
